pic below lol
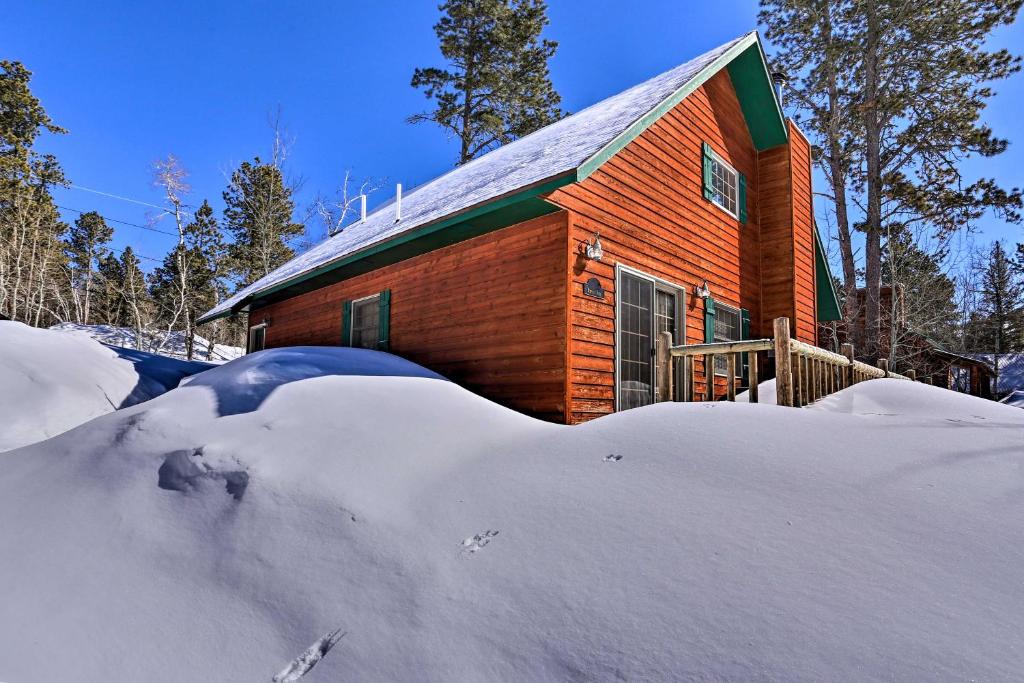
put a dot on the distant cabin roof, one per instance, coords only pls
(567, 150)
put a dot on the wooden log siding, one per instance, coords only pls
(648, 206)
(787, 240)
(488, 313)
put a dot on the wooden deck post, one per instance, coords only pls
(731, 377)
(848, 376)
(752, 390)
(912, 374)
(709, 376)
(664, 359)
(883, 365)
(783, 364)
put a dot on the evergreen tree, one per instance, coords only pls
(999, 324)
(108, 306)
(258, 214)
(135, 297)
(185, 284)
(497, 87)
(33, 286)
(86, 245)
(911, 81)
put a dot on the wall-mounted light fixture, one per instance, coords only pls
(593, 250)
(702, 291)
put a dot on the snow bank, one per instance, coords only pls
(155, 341)
(448, 538)
(51, 381)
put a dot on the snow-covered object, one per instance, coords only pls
(51, 381)
(1011, 370)
(545, 154)
(1014, 398)
(876, 536)
(155, 341)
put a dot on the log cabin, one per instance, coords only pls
(540, 274)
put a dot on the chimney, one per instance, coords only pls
(398, 202)
(779, 82)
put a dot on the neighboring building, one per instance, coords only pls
(969, 374)
(491, 274)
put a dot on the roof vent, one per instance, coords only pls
(398, 202)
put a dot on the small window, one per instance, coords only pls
(728, 327)
(257, 338)
(724, 184)
(366, 323)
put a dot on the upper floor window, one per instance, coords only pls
(723, 184)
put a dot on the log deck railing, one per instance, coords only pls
(803, 373)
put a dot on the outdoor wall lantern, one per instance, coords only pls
(593, 251)
(702, 291)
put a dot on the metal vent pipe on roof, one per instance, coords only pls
(779, 81)
(398, 202)
(362, 207)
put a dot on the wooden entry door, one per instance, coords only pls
(645, 307)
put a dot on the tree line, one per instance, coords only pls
(52, 271)
(892, 95)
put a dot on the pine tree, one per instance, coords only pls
(911, 81)
(107, 304)
(999, 324)
(86, 245)
(33, 286)
(134, 295)
(258, 214)
(497, 86)
(185, 284)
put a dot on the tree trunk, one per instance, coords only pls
(873, 219)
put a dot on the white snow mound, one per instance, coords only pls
(215, 532)
(51, 381)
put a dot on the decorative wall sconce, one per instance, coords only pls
(593, 250)
(702, 291)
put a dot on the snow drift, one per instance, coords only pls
(156, 341)
(879, 535)
(51, 381)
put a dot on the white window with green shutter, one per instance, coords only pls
(723, 184)
(366, 322)
(725, 323)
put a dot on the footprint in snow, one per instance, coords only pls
(301, 665)
(475, 543)
(612, 458)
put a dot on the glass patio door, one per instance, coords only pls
(645, 308)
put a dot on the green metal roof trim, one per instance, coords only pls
(825, 291)
(501, 212)
(748, 69)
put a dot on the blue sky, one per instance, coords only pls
(133, 82)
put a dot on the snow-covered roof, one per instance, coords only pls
(548, 153)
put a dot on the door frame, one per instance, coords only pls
(659, 283)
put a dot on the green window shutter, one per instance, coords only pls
(745, 334)
(346, 323)
(709, 320)
(706, 170)
(742, 197)
(384, 321)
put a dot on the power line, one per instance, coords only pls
(115, 220)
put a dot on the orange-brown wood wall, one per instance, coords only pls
(647, 203)
(787, 238)
(488, 313)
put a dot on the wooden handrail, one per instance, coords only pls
(804, 372)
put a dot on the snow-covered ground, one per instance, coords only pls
(51, 381)
(305, 501)
(155, 341)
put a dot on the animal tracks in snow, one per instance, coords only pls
(612, 458)
(476, 543)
